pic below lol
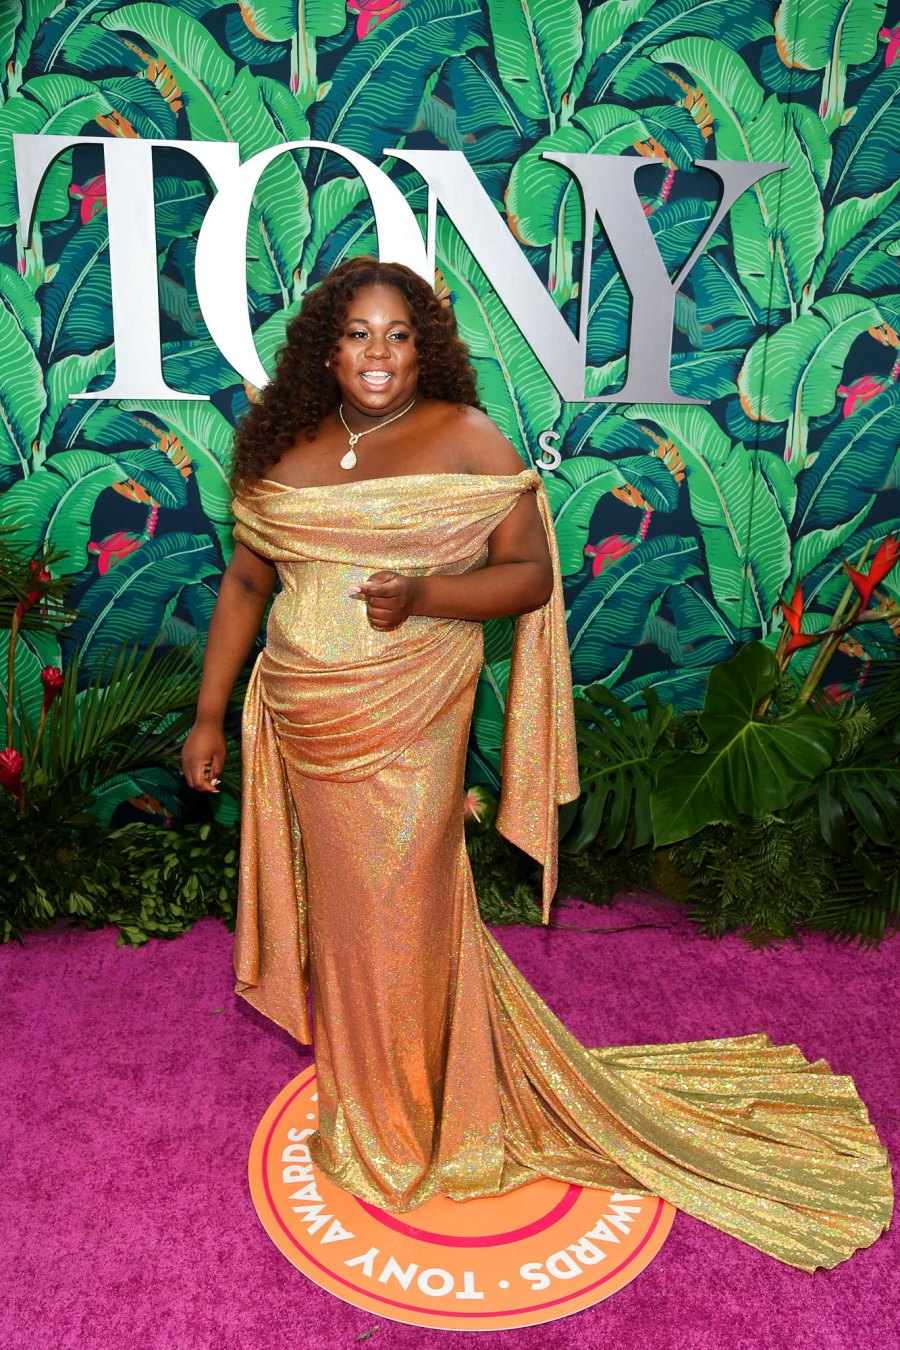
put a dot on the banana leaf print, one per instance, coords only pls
(679, 527)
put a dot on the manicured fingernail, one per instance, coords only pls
(354, 590)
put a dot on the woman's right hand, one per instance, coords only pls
(204, 749)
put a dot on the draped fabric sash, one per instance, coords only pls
(346, 719)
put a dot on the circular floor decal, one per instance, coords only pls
(541, 1252)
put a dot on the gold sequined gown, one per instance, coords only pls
(439, 1069)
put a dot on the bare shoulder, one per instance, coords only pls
(476, 443)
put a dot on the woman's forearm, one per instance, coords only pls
(487, 593)
(235, 623)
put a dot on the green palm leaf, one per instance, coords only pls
(10, 18)
(207, 436)
(77, 303)
(23, 396)
(744, 535)
(849, 219)
(836, 492)
(514, 386)
(48, 105)
(131, 715)
(53, 507)
(71, 375)
(793, 373)
(781, 216)
(665, 20)
(401, 55)
(610, 613)
(865, 149)
(536, 44)
(494, 129)
(137, 595)
(203, 71)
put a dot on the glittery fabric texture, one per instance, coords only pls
(439, 1068)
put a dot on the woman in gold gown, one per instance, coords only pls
(439, 1069)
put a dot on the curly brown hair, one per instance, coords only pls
(303, 391)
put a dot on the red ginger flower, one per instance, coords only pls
(11, 764)
(892, 38)
(793, 614)
(608, 551)
(859, 391)
(32, 596)
(53, 681)
(886, 555)
(372, 13)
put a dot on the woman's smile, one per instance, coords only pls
(376, 364)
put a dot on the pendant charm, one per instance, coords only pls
(349, 460)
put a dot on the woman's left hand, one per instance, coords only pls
(389, 598)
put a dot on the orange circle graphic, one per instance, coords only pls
(540, 1252)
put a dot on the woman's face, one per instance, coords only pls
(376, 365)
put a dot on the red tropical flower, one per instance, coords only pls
(859, 392)
(11, 763)
(31, 597)
(372, 13)
(53, 681)
(793, 615)
(92, 197)
(606, 552)
(113, 549)
(892, 38)
(886, 556)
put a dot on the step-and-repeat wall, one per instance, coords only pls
(710, 386)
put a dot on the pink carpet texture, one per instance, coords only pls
(133, 1082)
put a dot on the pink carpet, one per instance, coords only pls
(133, 1081)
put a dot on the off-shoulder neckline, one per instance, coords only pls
(387, 478)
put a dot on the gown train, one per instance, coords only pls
(439, 1068)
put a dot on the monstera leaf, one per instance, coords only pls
(610, 613)
(137, 595)
(53, 507)
(751, 765)
(744, 534)
(620, 755)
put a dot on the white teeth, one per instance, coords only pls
(377, 376)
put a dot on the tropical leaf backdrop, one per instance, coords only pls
(679, 526)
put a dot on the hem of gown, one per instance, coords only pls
(250, 994)
(371, 1195)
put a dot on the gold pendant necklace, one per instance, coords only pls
(348, 461)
